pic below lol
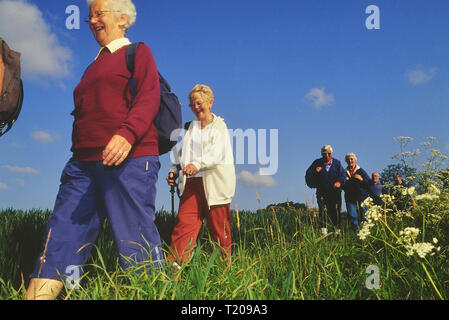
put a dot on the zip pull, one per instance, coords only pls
(146, 167)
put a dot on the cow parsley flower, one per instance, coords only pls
(421, 249)
(408, 191)
(374, 213)
(408, 235)
(365, 230)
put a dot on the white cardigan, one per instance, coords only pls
(210, 151)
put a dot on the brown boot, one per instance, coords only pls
(43, 289)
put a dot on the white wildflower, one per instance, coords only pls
(365, 230)
(421, 249)
(368, 202)
(408, 191)
(386, 198)
(434, 190)
(374, 213)
(426, 196)
(408, 236)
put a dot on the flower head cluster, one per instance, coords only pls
(408, 235)
(374, 213)
(421, 249)
(408, 238)
(386, 198)
(365, 230)
(408, 191)
(432, 194)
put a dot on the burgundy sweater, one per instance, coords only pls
(103, 106)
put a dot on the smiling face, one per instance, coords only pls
(104, 24)
(350, 160)
(327, 155)
(200, 106)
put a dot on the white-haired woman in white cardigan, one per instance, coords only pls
(205, 166)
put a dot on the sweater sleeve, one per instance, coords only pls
(146, 103)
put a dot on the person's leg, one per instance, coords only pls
(322, 214)
(351, 208)
(189, 222)
(72, 228)
(129, 193)
(219, 224)
(333, 206)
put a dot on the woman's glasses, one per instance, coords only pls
(97, 14)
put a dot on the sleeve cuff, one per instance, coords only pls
(128, 135)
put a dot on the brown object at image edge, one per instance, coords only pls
(2, 66)
(41, 288)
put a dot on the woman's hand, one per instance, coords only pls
(190, 170)
(171, 178)
(116, 151)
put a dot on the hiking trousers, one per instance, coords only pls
(193, 208)
(90, 192)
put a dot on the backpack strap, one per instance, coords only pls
(131, 52)
(187, 125)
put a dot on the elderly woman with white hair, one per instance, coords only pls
(356, 189)
(204, 163)
(114, 168)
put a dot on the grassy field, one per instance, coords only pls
(278, 253)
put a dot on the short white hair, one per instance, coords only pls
(126, 7)
(327, 147)
(349, 154)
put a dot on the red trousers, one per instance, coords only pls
(193, 209)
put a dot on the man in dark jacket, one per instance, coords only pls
(375, 188)
(11, 90)
(327, 175)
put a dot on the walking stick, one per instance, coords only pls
(172, 191)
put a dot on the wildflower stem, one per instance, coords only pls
(375, 238)
(431, 280)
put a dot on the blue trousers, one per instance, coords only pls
(90, 192)
(353, 213)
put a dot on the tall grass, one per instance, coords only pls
(277, 254)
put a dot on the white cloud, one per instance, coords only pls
(319, 98)
(420, 75)
(23, 27)
(253, 180)
(3, 186)
(42, 136)
(22, 170)
(19, 182)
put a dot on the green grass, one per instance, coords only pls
(277, 254)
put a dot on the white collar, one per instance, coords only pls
(114, 45)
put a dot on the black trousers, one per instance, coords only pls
(329, 207)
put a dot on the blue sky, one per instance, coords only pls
(308, 68)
